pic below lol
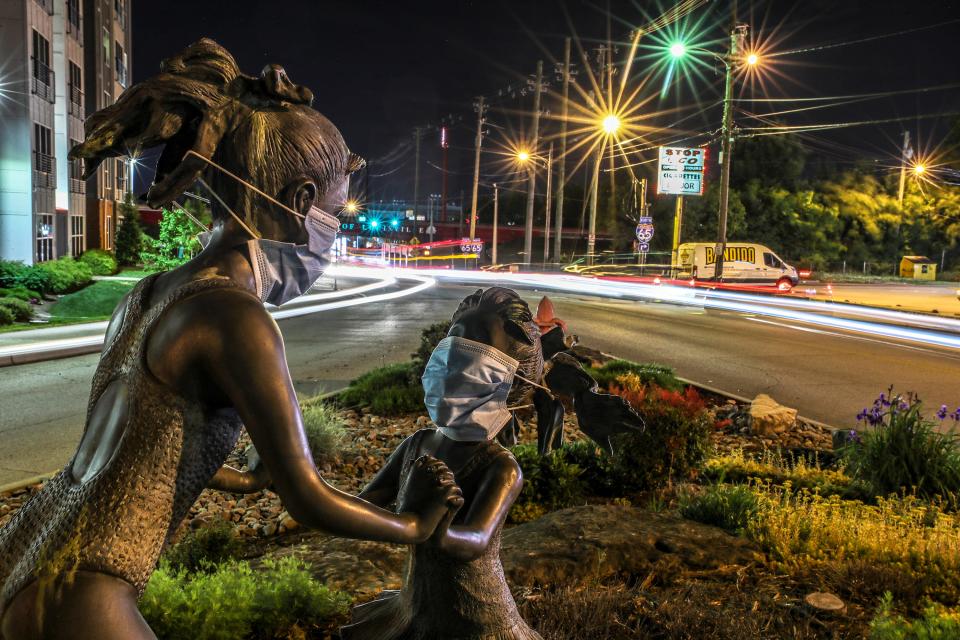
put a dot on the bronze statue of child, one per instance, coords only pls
(454, 585)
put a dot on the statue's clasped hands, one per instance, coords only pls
(432, 493)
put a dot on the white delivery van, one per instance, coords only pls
(745, 262)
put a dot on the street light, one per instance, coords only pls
(351, 206)
(523, 156)
(611, 124)
(919, 170)
(753, 59)
(678, 49)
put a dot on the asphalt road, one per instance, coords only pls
(829, 375)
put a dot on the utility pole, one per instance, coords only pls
(736, 33)
(677, 225)
(493, 256)
(546, 226)
(444, 144)
(561, 170)
(481, 108)
(531, 188)
(416, 170)
(594, 194)
(905, 155)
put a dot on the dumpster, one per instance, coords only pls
(918, 268)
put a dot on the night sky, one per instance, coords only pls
(378, 69)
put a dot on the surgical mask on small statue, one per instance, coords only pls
(283, 271)
(465, 387)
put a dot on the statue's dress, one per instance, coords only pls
(117, 517)
(444, 598)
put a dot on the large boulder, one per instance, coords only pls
(769, 418)
(567, 547)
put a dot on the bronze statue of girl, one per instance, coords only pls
(191, 356)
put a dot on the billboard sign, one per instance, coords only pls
(681, 171)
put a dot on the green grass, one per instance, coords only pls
(95, 302)
(387, 391)
(132, 272)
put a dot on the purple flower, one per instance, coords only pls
(942, 412)
(864, 413)
(883, 401)
(955, 416)
(853, 437)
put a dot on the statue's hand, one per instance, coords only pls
(431, 493)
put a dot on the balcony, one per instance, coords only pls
(76, 102)
(77, 186)
(44, 171)
(42, 81)
(47, 6)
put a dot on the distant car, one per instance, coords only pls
(745, 262)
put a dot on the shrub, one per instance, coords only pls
(737, 467)
(386, 390)
(22, 311)
(6, 316)
(550, 482)
(324, 428)
(903, 450)
(937, 623)
(101, 262)
(648, 373)
(20, 293)
(234, 601)
(902, 544)
(65, 275)
(15, 274)
(204, 548)
(429, 339)
(729, 507)
(674, 443)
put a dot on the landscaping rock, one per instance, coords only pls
(825, 603)
(572, 546)
(770, 418)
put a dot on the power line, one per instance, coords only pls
(767, 131)
(878, 94)
(834, 45)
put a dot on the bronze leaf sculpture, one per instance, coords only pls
(191, 356)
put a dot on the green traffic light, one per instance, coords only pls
(678, 49)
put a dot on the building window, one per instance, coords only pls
(43, 163)
(76, 91)
(107, 234)
(73, 18)
(121, 171)
(77, 243)
(42, 81)
(47, 6)
(120, 11)
(120, 64)
(77, 185)
(44, 237)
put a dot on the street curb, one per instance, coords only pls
(20, 484)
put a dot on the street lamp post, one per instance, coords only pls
(726, 144)
(531, 188)
(610, 125)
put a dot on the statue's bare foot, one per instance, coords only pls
(430, 491)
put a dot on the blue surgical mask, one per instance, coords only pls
(283, 270)
(465, 387)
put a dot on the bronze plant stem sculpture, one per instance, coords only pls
(191, 357)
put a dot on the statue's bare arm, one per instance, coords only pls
(498, 490)
(224, 346)
(382, 490)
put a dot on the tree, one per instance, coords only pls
(176, 244)
(129, 242)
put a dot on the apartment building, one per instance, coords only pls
(61, 60)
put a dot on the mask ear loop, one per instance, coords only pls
(229, 210)
(213, 164)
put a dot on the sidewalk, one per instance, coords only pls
(63, 341)
(936, 299)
